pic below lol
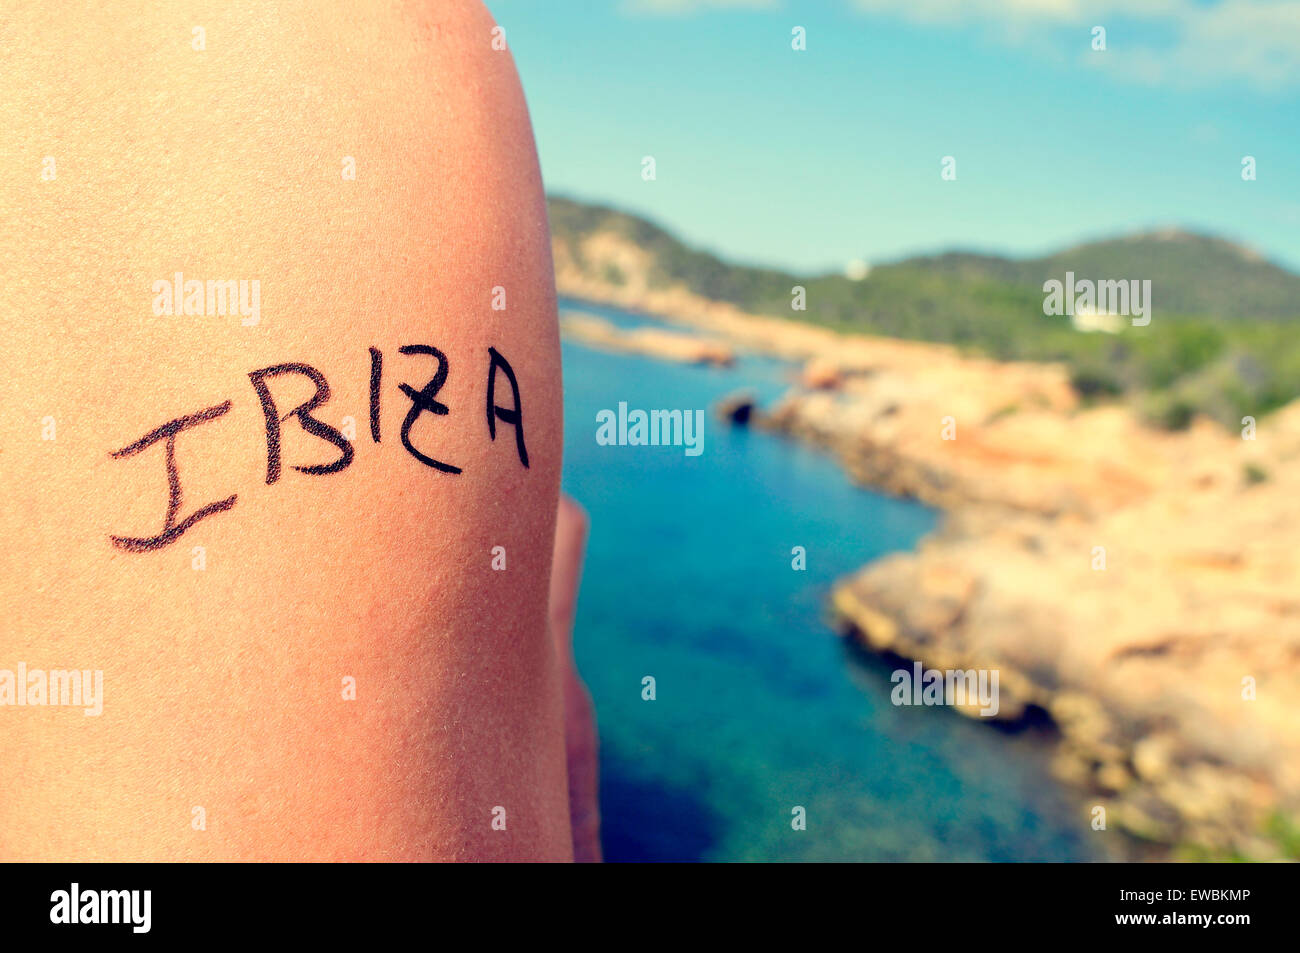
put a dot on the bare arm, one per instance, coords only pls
(306, 649)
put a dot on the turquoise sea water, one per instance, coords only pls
(760, 707)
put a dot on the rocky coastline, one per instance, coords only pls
(1136, 586)
(650, 342)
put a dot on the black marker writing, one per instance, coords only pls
(171, 529)
(376, 375)
(422, 401)
(303, 412)
(495, 413)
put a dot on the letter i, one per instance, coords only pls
(376, 374)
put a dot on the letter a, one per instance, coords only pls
(513, 416)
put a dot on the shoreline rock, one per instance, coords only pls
(651, 342)
(737, 407)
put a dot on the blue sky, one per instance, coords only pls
(808, 160)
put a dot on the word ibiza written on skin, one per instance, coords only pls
(422, 401)
(655, 428)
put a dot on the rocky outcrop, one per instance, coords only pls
(1137, 586)
(652, 342)
(737, 407)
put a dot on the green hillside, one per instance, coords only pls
(1194, 273)
(1223, 339)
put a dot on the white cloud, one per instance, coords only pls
(1253, 41)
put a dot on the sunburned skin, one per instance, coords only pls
(272, 527)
